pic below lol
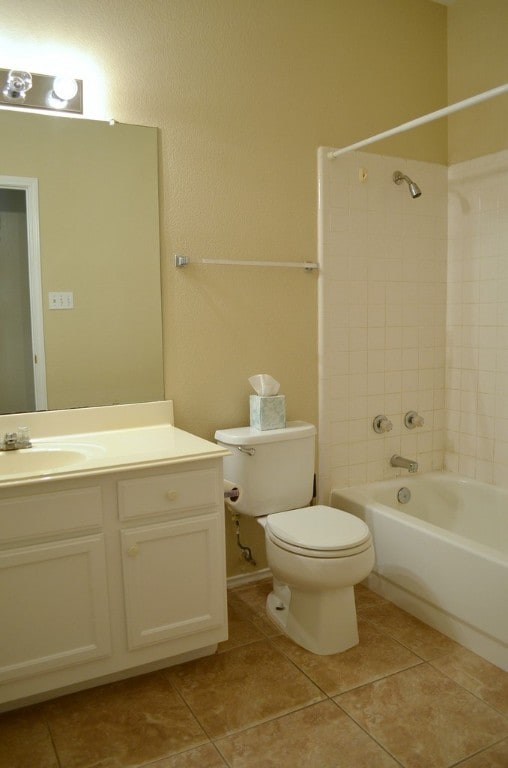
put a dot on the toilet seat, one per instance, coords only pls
(319, 531)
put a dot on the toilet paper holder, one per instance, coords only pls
(231, 491)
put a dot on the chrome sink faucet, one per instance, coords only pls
(13, 441)
(400, 461)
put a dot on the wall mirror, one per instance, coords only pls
(98, 231)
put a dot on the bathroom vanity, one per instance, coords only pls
(111, 549)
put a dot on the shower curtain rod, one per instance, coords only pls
(422, 120)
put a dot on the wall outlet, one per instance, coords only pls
(61, 300)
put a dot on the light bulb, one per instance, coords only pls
(17, 85)
(65, 88)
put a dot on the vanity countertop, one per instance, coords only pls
(85, 441)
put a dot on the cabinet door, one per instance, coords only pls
(173, 579)
(53, 606)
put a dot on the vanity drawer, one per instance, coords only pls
(43, 514)
(172, 492)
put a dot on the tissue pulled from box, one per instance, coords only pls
(264, 385)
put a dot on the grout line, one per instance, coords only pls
(465, 760)
(369, 734)
(57, 756)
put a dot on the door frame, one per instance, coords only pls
(31, 188)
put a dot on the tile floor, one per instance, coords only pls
(405, 696)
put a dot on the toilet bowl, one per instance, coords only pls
(317, 555)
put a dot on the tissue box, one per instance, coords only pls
(268, 412)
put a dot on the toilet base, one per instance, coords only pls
(321, 622)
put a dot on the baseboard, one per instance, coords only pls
(248, 578)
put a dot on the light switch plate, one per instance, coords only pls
(61, 300)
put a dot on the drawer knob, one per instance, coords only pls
(133, 551)
(172, 495)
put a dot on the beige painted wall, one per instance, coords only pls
(244, 92)
(477, 62)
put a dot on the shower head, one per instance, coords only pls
(414, 189)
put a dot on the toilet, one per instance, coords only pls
(316, 553)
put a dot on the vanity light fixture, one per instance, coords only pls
(26, 89)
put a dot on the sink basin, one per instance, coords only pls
(43, 459)
(83, 442)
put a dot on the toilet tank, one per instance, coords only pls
(274, 469)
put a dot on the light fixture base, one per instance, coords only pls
(43, 94)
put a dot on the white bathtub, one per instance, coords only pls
(442, 556)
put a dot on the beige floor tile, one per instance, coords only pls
(424, 719)
(250, 603)
(242, 687)
(253, 597)
(494, 757)
(423, 640)
(374, 657)
(479, 676)
(241, 631)
(262, 697)
(202, 757)
(122, 724)
(266, 626)
(243, 610)
(319, 736)
(366, 598)
(25, 740)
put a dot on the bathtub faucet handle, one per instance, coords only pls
(382, 424)
(413, 419)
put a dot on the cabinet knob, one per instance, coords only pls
(172, 495)
(133, 551)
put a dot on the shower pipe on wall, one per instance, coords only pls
(422, 120)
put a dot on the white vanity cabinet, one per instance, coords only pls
(173, 578)
(107, 575)
(54, 606)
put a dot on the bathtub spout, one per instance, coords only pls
(400, 461)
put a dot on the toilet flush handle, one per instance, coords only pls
(248, 451)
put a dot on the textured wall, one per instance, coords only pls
(477, 61)
(243, 92)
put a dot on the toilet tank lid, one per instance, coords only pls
(250, 436)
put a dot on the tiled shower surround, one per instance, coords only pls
(382, 313)
(477, 320)
(413, 315)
